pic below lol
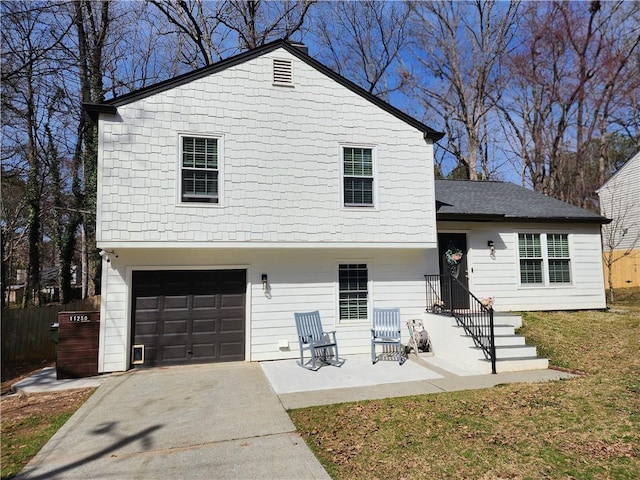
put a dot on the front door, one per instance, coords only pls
(449, 246)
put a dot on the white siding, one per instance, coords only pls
(281, 163)
(620, 201)
(300, 280)
(498, 276)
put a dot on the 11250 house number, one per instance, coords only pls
(79, 318)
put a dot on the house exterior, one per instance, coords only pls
(234, 196)
(525, 250)
(620, 201)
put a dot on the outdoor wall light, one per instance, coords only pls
(492, 247)
(265, 281)
(106, 253)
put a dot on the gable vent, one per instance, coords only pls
(282, 72)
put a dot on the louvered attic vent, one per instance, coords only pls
(282, 72)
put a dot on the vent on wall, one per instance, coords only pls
(282, 72)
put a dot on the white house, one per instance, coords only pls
(620, 201)
(233, 196)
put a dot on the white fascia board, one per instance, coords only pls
(253, 245)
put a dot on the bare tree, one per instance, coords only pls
(27, 46)
(568, 77)
(460, 47)
(206, 30)
(196, 21)
(363, 41)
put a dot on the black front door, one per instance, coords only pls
(450, 245)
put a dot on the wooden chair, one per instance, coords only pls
(322, 346)
(386, 331)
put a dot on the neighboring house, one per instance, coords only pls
(620, 201)
(233, 196)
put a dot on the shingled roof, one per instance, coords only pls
(503, 202)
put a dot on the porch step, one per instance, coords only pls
(520, 364)
(509, 340)
(451, 341)
(516, 351)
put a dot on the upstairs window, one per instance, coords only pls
(199, 169)
(544, 258)
(352, 290)
(358, 176)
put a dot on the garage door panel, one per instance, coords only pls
(176, 302)
(204, 301)
(232, 301)
(230, 350)
(146, 328)
(176, 326)
(174, 352)
(204, 325)
(231, 325)
(204, 350)
(147, 303)
(189, 316)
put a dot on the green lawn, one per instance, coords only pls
(585, 428)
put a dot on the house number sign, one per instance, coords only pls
(79, 318)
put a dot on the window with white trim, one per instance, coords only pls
(353, 279)
(358, 176)
(544, 258)
(199, 169)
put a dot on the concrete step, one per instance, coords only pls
(508, 318)
(516, 351)
(509, 340)
(521, 364)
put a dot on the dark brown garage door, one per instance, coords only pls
(194, 316)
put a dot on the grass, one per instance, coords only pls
(22, 439)
(586, 428)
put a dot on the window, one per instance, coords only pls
(199, 169)
(358, 176)
(558, 251)
(530, 258)
(352, 287)
(540, 253)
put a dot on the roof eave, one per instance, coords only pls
(95, 109)
(476, 217)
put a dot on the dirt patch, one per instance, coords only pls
(16, 407)
(13, 372)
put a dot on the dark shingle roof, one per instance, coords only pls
(503, 201)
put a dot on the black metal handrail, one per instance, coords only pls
(446, 295)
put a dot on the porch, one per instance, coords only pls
(359, 380)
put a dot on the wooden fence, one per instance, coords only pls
(26, 333)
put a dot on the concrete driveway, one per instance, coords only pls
(217, 421)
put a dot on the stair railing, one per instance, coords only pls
(446, 295)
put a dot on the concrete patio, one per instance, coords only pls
(358, 379)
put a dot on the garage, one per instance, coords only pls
(188, 316)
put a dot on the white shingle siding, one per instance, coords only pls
(499, 277)
(620, 201)
(281, 164)
(300, 280)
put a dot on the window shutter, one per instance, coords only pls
(282, 72)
